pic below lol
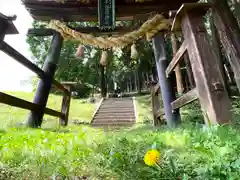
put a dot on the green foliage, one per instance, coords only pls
(144, 108)
(186, 153)
(71, 68)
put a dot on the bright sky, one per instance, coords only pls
(12, 74)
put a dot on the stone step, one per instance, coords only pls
(112, 127)
(116, 113)
(110, 118)
(113, 122)
(118, 99)
(116, 108)
(126, 102)
(117, 104)
(101, 116)
(122, 104)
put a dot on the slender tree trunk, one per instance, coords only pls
(147, 76)
(135, 81)
(236, 4)
(139, 81)
(128, 87)
(130, 80)
(103, 81)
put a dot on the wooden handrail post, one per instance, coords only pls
(44, 85)
(3, 28)
(189, 71)
(167, 90)
(155, 104)
(209, 84)
(179, 79)
(66, 105)
(7, 26)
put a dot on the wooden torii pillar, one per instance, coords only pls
(167, 90)
(44, 86)
(209, 83)
(229, 33)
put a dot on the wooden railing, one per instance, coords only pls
(209, 85)
(180, 102)
(20, 103)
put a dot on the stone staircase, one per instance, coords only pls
(116, 113)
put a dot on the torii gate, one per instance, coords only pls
(209, 84)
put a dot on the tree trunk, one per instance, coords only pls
(135, 81)
(130, 83)
(236, 4)
(103, 82)
(139, 81)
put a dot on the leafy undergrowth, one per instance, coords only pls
(186, 153)
(81, 152)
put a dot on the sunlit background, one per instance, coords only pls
(14, 76)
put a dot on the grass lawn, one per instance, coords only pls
(79, 110)
(185, 153)
(190, 113)
(144, 109)
(189, 152)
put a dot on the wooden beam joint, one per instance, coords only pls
(177, 57)
(185, 99)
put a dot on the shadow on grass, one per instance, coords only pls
(2, 131)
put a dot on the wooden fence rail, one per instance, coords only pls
(28, 64)
(176, 58)
(185, 99)
(7, 27)
(20, 103)
(209, 88)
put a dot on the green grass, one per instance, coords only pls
(79, 110)
(144, 109)
(188, 152)
(189, 113)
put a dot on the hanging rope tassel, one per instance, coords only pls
(80, 51)
(103, 60)
(134, 52)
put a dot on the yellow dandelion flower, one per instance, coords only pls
(152, 157)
